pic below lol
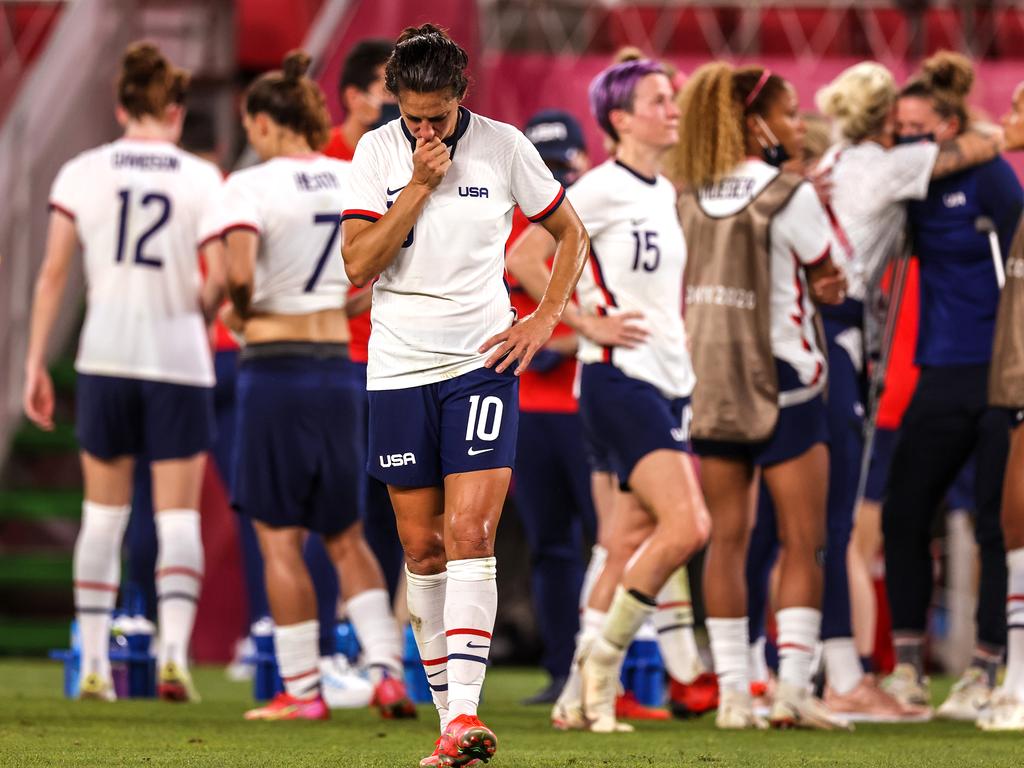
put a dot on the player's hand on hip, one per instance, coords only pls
(38, 398)
(518, 344)
(622, 330)
(430, 162)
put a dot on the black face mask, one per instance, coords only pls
(388, 112)
(914, 138)
(775, 155)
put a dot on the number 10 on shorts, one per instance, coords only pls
(484, 418)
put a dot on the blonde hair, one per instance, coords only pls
(859, 100)
(713, 105)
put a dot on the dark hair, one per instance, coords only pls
(148, 83)
(756, 100)
(425, 60)
(292, 100)
(945, 80)
(360, 67)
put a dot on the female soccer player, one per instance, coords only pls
(429, 212)
(145, 376)
(868, 230)
(296, 466)
(1006, 708)
(949, 417)
(765, 242)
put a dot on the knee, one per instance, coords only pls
(425, 554)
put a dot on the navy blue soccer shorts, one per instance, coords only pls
(798, 429)
(152, 420)
(297, 455)
(420, 435)
(625, 418)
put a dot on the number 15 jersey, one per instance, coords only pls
(137, 207)
(637, 259)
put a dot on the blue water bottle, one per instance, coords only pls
(347, 644)
(266, 682)
(73, 663)
(415, 676)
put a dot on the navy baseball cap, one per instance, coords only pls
(556, 135)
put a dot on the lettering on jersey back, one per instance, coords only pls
(473, 192)
(145, 162)
(314, 182)
(732, 187)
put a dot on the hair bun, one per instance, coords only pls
(948, 71)
(296, 64)
(143, 62)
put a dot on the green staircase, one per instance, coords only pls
(40, 506)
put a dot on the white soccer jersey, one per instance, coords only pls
(294, 204)
(137, 207)
(445, 293)
(637, 258)
(800, 236)
(870, 185)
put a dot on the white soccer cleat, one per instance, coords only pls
(1005, 712)
(969, 696)
(736, 712)
(568, 716)
(600, 687)
(341, 686)
(795, 707)
(905, 686)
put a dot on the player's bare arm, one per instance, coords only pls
(241, 264)
(522, 340)
(975, 146)
(215, 283)
(527, 261)
(368, 248)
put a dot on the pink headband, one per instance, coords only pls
(758, 88)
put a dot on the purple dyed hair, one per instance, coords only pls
(615, 87)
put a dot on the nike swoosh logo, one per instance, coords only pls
(396, 191)
(475, 452)
(437, 673)
(470, 645)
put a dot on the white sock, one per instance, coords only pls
(674, 623)
(730, 649)
(1014, 681)
(842, 664)
(598, 556)
(97, 569)
(377, 630)
(591, 624)
(470, 605)
(297, 647)
(758, 663)
(179, 577)
(798, 630)
(626, 615)
(425, 599)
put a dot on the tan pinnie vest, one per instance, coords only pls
(728, 315)
(1006, 377)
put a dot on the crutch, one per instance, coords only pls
(877, 384)
(986, 226)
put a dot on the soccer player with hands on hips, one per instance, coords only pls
(297, 462)
(429, 209)
(145, 373)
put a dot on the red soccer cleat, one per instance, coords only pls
(693, 698)
(628, 708)
(392, 700)
(465, 741)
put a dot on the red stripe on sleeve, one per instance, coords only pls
(550, 208)
(61, 209)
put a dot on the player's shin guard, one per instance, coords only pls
(471, 602)
(674, 622)
(425, 596)
(179, 577)
(798, 631)
(628, 611)
(377, 630)
(297, 647)
(1014, 681)
(97, 570)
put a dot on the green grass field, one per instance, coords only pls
(38, 727)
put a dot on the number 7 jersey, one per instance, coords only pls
(294, 204)
(137, 207)
(637, 259)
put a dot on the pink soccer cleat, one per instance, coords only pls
(285, 707)
(465, 741)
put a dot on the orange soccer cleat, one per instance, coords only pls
(465, 741)
(628, 708)
(693, 698)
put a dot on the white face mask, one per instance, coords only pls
(772, 150)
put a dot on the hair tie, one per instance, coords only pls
(752, 97)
